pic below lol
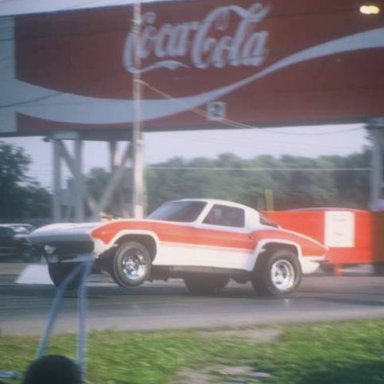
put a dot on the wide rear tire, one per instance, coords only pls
(59, 271)
(277, 274)
(205, 284)
(131, 264)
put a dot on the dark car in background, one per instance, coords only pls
(14, 244)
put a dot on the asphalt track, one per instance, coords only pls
(163, 305)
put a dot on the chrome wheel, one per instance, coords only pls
(131, 264)
(134, 264)
(283, 275)
(277, 273)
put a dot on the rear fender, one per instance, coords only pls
(267, 246)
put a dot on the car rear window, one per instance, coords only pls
(225, 216)
(179, 211)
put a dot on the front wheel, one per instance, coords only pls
(59, 271)
(277, 274)
(131, 264)
(203, 285)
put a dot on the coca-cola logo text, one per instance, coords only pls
(211, 42)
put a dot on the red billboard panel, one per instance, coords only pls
(203, 64)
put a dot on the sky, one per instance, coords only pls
(247, 143)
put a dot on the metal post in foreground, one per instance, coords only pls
(137, 136)
(376, 127)
(56, 181)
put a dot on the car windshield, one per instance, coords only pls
(180, 211)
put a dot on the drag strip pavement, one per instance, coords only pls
(162, 305)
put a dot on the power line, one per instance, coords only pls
(228, 122)
(267, 169)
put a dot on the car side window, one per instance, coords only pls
(225, 216)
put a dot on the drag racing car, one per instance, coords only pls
(206, 242)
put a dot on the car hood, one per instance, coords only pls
(62, 232)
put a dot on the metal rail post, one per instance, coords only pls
(137, 135)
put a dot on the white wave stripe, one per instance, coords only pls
(168, 64)
(245, 13)
(70, 108)
(173, 254)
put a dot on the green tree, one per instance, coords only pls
(20, 196)
(296, 182)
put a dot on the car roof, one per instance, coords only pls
(217, 201)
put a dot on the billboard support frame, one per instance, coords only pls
(69, 204)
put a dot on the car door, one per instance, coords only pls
(223, 239)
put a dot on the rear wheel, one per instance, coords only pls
(277, 274)
(59, 271)
(131, 264)
(200, 285)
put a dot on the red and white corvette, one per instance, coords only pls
(204, 241)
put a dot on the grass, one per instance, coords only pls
(342, 353)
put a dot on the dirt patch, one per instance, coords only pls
(220, 374)
(254, 335)
(229, 374)
(188, 375)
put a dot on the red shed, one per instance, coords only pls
(352, 236)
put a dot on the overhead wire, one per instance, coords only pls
(261, 169)
(227, 122)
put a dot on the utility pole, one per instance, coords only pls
(137, 135)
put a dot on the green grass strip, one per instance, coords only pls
(340, 352)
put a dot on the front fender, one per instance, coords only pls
(101, 246)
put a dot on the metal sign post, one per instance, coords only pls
(137, 135)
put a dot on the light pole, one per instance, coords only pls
(137, 135)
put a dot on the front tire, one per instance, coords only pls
(277, 274)
(131, 264)
(59, 271)
(203, 285)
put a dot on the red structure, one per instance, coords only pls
(204, 64)
(352, 236)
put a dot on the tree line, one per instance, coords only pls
(292, 181)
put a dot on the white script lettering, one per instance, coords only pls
(202, 45)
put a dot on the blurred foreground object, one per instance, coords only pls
(53, 369)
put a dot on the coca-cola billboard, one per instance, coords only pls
(202, 64)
